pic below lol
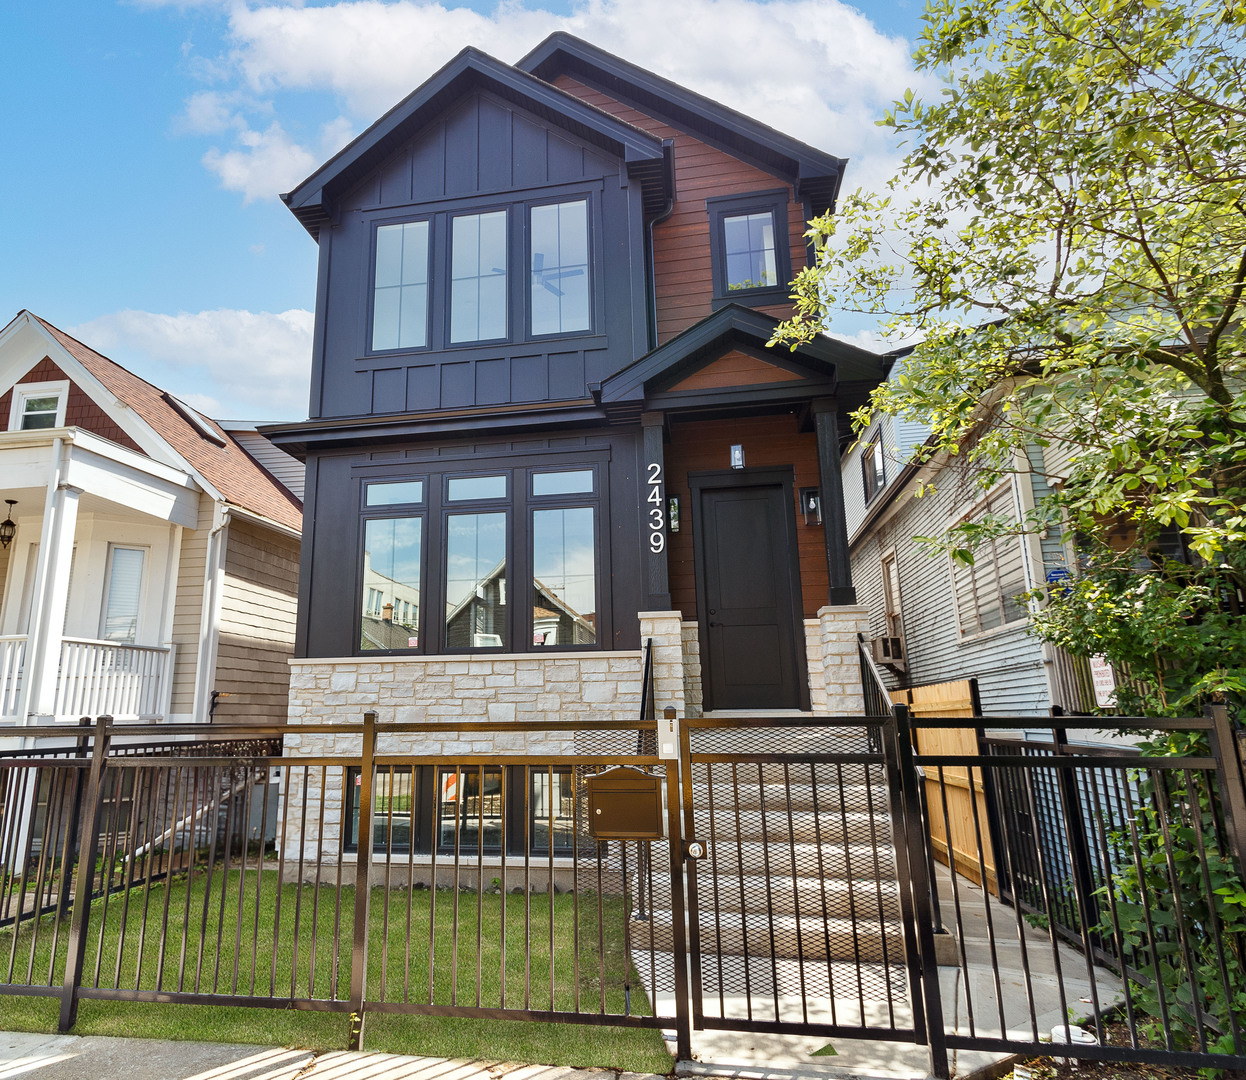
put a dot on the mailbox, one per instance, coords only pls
(624, 804)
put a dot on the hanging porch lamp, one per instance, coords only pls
(8, 526)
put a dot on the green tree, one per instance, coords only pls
(1067, 237)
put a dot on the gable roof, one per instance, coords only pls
(815, 175)
(824, 363)
(206, 448)
(312, 200)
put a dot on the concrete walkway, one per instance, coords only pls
(30, 1056)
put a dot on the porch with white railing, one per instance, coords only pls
(94, 678)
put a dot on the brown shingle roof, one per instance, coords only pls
(239, 478)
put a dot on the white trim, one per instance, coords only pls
(210, 611)
(23, 392)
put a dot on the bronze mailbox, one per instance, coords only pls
(624, 804)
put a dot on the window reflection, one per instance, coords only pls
(472, 798)
(391, 583)
(749, 246)
(400, 294)
(553, 810)
(560, 268)
(564, 570)
(478, 277)
(476, 581)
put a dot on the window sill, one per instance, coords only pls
(753, 298)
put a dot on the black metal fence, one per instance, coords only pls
(450, 869)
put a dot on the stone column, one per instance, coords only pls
(665, 628)
(841, 665)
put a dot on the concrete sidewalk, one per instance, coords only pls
(30, 1056)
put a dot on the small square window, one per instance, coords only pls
(400, 287)
(749, 247)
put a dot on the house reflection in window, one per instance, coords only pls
(564, 565)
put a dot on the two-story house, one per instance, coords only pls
(545, 425)
(148, 554)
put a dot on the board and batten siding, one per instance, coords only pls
(188, 610)
(1007, 662)
(258, 605)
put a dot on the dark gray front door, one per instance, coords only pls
(747, 597)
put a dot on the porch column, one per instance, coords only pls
(831, 489)
(654, 530)
(51, 591)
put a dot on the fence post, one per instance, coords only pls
(363, 884)
(84, 879)
(1229, 769)
(911, 860)
(62, 898)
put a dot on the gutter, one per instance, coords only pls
(651, 294)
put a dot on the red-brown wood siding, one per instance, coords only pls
(735, 369)
(768, 441)
(681, 244)
(80, 410)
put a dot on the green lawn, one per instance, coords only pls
(223, 938)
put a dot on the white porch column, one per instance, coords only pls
(51, 591)
(841, 664)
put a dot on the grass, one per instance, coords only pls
(227, 936)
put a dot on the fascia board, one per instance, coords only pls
(352, 162)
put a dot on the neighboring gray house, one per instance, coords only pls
(935, 621)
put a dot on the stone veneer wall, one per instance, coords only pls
(438, 689)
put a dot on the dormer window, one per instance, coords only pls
(749, 248)
(38, 405)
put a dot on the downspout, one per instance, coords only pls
(651, 295)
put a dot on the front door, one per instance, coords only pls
(747, 593)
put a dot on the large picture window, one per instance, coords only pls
(534, 529)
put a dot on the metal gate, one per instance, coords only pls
(804, 906)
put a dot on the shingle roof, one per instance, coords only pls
(239, 478)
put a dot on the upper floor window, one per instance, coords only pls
(873, 467)
(478, 277)
(38, 405)
(457, 278)
(400, 287)
(749, 247)
(559, 287)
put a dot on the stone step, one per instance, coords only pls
(756, 934)
(810, 896)
(854, 862)
(778, 825)
(827, 796)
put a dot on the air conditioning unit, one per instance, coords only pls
(888, 651)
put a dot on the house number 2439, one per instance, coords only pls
(657, 522)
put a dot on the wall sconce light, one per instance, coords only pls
(672, 513)
(8, 526)
(737, 456)
(811, 505)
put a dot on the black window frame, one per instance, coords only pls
(518, 504)
(873, 480)
(775, 202)
(518, 210)
(425, 822)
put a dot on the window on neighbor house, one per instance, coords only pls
(471, 810)
(38, 405)
(749, 247)
(123, 594)
(534, 525)
(873, 467)
(986, 593)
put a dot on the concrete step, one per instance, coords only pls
(756, 934)
(810, 896)
(854, 862)
(778, 825)
(747, 794)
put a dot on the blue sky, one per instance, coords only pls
(145, 143)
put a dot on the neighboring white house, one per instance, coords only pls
(152, 571)
(934, 621)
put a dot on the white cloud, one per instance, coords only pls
(257, 363)
(815, 69)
